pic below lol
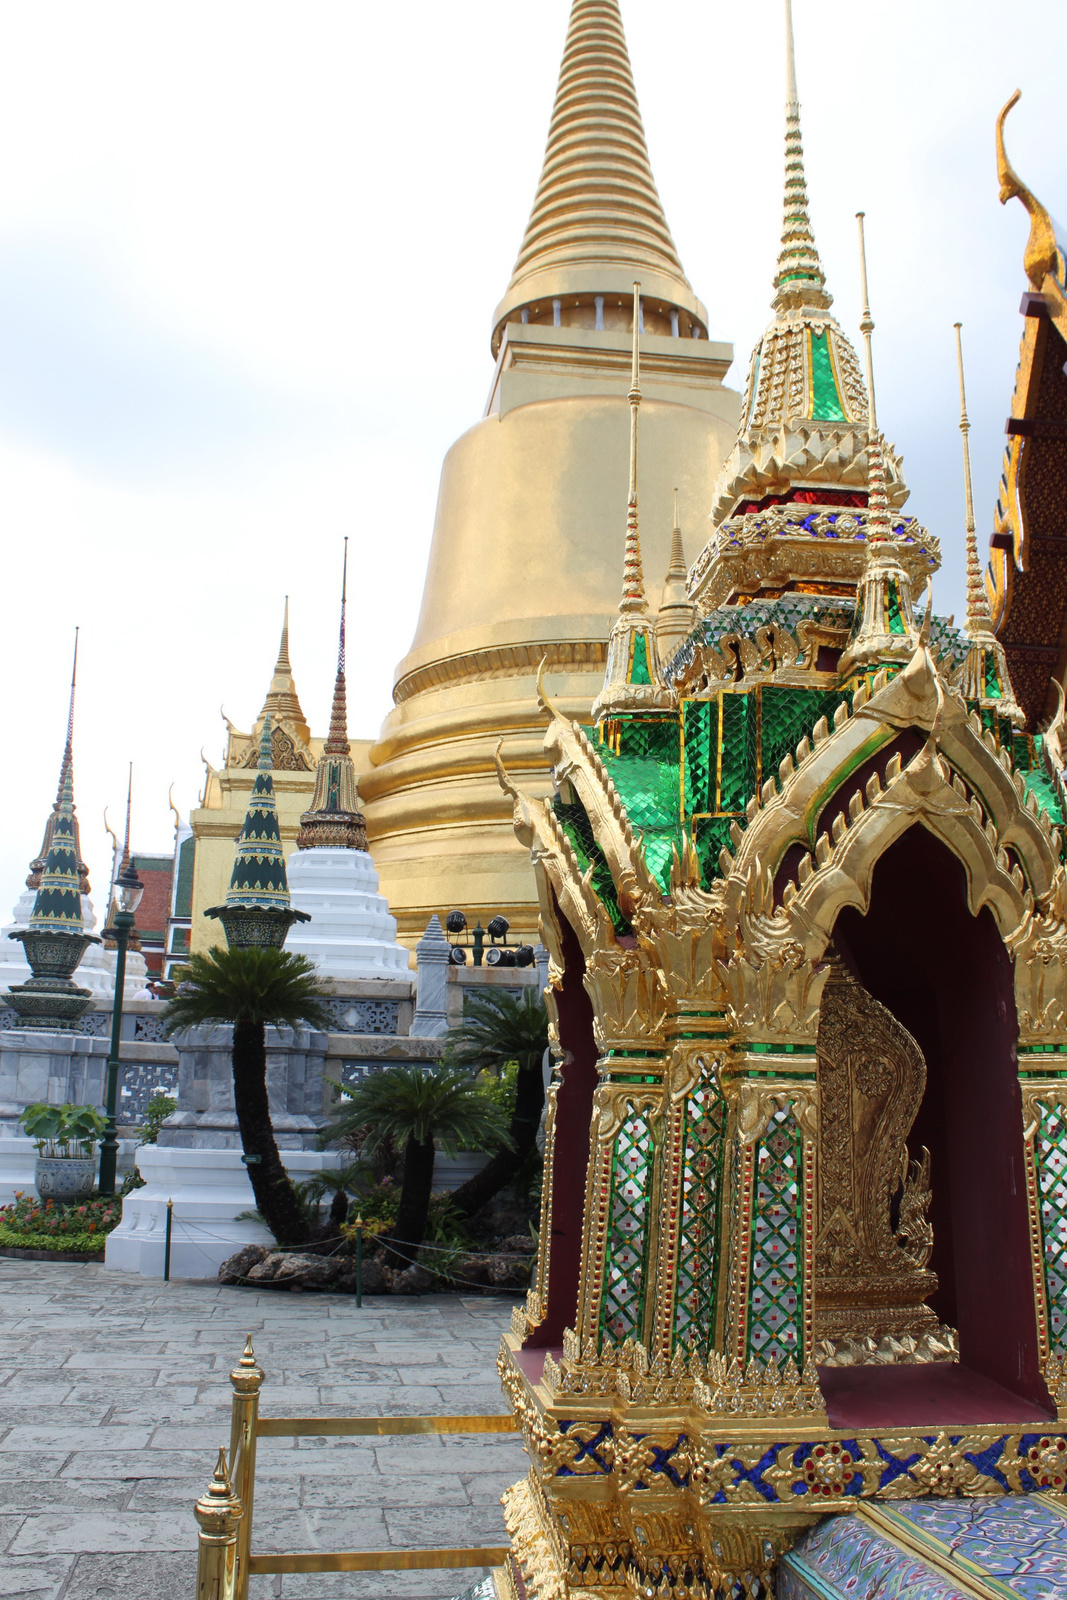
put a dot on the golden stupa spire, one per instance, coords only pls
(800, 279)
(282, 701)
(633, 676)
(985, 671)
(597, 220)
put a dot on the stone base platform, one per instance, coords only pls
(210, 1190)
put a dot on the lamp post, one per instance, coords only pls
(128, 892)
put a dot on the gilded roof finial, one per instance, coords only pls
(633, 676)
(867, 328)
(282, 663)
(800, 279)
(986, 680)
(1042, 257)
(674, 621)
(633, 581)
(885, 630)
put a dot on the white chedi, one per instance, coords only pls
(97, 971)
(351, 933)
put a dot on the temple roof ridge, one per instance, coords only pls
(597, 219)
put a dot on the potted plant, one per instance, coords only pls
(65, 1138)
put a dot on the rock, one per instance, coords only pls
(472, 1270)
(373, 1277)
(509, 1271)
(523, 1243)
(236, 1268)
(292, 1269)
(413, 1280)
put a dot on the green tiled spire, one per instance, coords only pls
(257, 909)
(258, 877)
(58, 906)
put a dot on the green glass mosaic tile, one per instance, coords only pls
(992, 677)
(639, 672)
(698, 1255)
(893, 610)
(700, 723)
(775, 1278)
(627, 1241)
(1051, 1155)
(576, 825)
(825, 397)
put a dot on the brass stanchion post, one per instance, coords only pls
(246, 1379)
(218, 1512)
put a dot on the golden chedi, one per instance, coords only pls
(523, 563)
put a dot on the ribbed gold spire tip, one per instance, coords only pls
(597, 218)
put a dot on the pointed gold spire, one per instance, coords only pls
(886, 630)
(676, 615)
(282, 702)
(334, 820)
(597, 219)
(800, 279)
(986, 679)
(633, 676)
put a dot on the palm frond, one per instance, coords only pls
(259, 985)
(420, 1103)
(498, 1027)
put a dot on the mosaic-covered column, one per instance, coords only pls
(770, 1175)
(1043, 1079)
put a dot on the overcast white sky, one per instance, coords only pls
(248, 256)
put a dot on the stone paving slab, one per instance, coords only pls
(114, 1398)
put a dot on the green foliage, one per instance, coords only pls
(257, 985)
(422, 1103)
(498, 1028)
(157, 1111)
(32, 1224)
(500, 1087)
(65, 1130)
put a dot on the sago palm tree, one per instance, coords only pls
(496, 1028)
(414, 1108)
(250, 988)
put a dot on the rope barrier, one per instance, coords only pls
(394, 1248)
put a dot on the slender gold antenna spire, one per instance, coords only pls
(282, 664)
(978, 617)
(867, 328)
(791, 97)
(633, 583)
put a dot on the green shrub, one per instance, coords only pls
(156, 1113)
(32, 1224)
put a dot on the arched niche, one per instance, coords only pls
(946, 975)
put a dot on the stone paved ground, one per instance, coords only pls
(114, 1399)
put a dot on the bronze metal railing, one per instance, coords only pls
(224, 1511)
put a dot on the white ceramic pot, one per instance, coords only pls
(68, 1179)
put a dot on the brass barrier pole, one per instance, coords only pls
(219, 1514)
(246, 1379)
